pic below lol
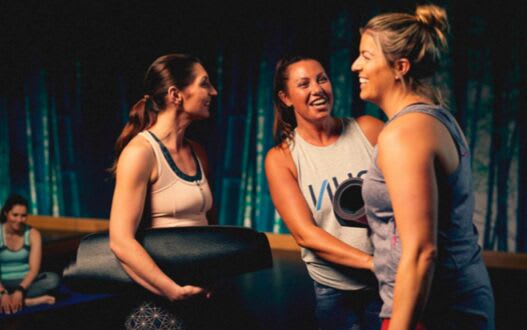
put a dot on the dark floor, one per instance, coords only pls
(277, 298)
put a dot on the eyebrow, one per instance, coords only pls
(307, 78)
(301, 78)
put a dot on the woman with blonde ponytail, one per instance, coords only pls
(161, 176)
(418, 192)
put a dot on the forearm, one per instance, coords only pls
(412, 285)
(141, 267)
(29, 278)
(334, 250)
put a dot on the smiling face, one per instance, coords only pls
(16, 217)
(197, 96)
(308, 91)
(376, 76)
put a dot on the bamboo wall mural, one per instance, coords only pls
(68, 98)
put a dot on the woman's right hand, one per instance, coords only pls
(5, 304)
(187, 292)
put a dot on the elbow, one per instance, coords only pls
(117, 247)
(428, 255)
(303, 239)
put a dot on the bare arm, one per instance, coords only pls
(406, 158)
(35, 257)
(371, 127)
(133, 175)
(292, 207)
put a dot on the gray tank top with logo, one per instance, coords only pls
(321, 170)
(460, 280)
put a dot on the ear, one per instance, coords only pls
(284, 98)
(401, 67)
(174, 95)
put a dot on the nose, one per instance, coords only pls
(213, 91)
(316, 89)
(355, 66)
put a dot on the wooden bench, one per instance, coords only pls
(64, 232)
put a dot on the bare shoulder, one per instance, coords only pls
(34, 234)
(279, 158)
(138, 155)
(370, 126)
(277, 154)
(409, 136)
(413, 125)
(367, 120)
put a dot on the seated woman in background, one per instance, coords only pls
(20, 256)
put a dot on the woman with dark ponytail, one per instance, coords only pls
(161, 176)
(418, 192)
(315, 158)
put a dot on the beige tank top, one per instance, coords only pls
(176, 199)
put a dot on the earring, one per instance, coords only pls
(396, 77)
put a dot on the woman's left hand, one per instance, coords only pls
(17, 301)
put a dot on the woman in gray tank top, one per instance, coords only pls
(418, 191)
(314, 156)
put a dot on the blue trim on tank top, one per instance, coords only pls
(173, 166)
(3, 245)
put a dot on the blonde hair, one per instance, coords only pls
(421, 38)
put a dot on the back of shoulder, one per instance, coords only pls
(137, 155)
(139, 148)
(371, 127)
(413, 129)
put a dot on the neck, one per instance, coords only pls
(10, 231)
(397, 101)
(170, 128)
(319, 133)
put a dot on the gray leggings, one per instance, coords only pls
(43, 284)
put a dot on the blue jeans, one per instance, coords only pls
(341, 309)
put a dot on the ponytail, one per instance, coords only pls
(166, 71)
(141, 117)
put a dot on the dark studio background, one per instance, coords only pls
(71, 70)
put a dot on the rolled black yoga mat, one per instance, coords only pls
(188, 255)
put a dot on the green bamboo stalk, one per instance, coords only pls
(33, 205)
(57, 189)
(44, 145)
(5, 179)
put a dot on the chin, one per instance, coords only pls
(202, 116)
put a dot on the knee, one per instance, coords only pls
(51, 280)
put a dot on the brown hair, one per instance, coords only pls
(284, 117)
(10, 202)
(168, 70)
(421, 38)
